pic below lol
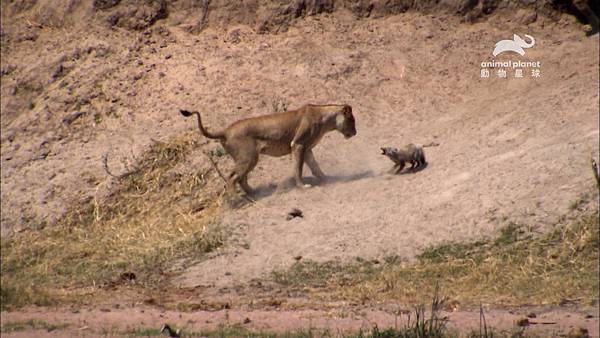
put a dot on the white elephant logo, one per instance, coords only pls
(515, 45)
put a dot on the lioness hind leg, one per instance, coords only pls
(245, 186)
(245, 156)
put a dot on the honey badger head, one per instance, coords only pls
(389, 151)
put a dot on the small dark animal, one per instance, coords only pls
(172, 333)
(411, 153)
(295, 212)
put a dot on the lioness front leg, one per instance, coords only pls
(313, 165)
(299, 152)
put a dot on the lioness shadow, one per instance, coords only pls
(289, 184)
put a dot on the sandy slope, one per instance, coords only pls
(510, 149)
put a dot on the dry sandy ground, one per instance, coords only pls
(515, 149)
(510, 149)
(109, 321)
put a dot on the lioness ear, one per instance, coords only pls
(347, 109)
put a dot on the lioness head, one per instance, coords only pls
(344, 122)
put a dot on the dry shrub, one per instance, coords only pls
(154, 218)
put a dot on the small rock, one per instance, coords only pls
(138, 76)
(7, 69)
(525, 17)
(150, 301)
(27, 36)
(72, 117)
(128, 276)
(43, 154)
(294, 213)
(298, 258)
(263, 46)
(59, 71)
(10, 135)
(247, 320)
(522, 322)
(168, 56)
(578, 332)
(531, 315)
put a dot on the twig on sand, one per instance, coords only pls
(105, 166)
(214, 164)
(596, 170)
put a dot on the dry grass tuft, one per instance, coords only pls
(517, 267)
(154, 217)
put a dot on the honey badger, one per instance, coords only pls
(411, 153)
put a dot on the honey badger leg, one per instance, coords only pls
(399, 167)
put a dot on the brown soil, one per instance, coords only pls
(516, 149)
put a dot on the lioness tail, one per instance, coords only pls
(218, 135)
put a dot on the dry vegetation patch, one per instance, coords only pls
(517, 267)
(155, 216)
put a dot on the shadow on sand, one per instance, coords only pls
(413, 171)
(289, 184)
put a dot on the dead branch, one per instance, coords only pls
(596, 170)
(214, 165)
(118, 177)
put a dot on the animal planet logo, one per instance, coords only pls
(519, 67)
(515, 45)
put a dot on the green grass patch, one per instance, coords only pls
(154, 217)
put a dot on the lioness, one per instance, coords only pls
(279, 134)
